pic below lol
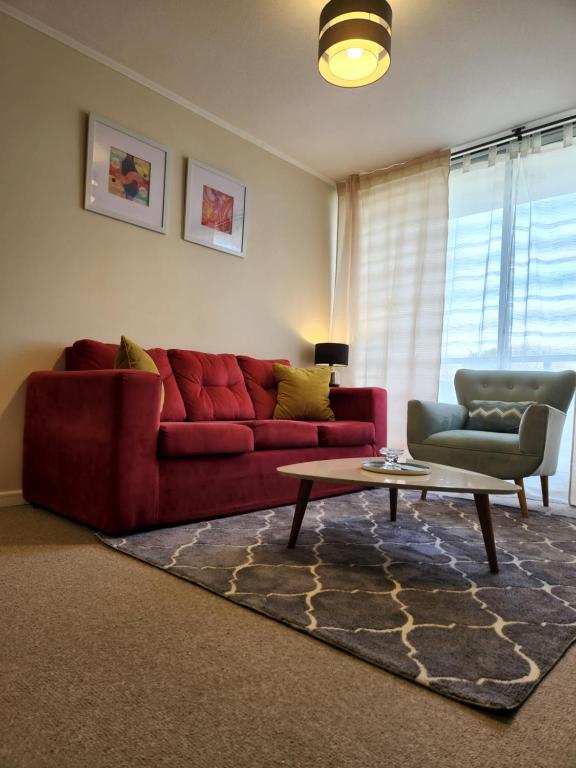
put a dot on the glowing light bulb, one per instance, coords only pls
(354, 53)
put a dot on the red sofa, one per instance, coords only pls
(96, 448)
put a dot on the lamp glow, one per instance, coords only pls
(355, 40)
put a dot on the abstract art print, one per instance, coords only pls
(215, 209)
(129, 176)
(125, 175)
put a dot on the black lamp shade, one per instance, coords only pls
(331, 354)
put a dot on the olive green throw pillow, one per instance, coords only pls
(131, 355)
(496, 415)
(303, 393)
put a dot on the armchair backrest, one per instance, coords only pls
(554, 388)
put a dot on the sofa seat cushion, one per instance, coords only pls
(260, 383)
(212, 386)
(343, 433)
(475, 440)
(90, 355)
(203, 439)
(272, 434)
(496, 454)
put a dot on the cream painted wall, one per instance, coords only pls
(67, 273)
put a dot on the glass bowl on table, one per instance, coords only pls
(389, 464)
(392, 455)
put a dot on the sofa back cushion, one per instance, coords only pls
(88, 355)
(212, 386)
(260, 383)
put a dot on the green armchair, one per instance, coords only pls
(437, 431)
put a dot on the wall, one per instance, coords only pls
(67, 273)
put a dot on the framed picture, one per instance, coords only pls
(215, 209)
(126, 175)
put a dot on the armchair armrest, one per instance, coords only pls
(425, 418)
(362, 404)
(540, 434)
(90, 446)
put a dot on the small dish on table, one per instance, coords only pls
(386, 467)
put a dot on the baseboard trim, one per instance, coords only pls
(11, 499)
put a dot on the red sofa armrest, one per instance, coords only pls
(90, 446)
(362, 404)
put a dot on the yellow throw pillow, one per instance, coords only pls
(130, 355)
(303, 393)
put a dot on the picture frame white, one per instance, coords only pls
(215, 211)
(117, 161)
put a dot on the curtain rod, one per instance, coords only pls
(515, 133)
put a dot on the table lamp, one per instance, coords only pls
(333, 355)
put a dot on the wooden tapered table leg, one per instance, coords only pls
(301, 504)
(393, 503)
(423, 495)
(483, 507)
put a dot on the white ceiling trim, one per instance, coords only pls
(153, 86)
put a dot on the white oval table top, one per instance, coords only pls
(441, 478)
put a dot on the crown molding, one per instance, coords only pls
(131, 74)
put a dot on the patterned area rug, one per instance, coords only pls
(414, 597)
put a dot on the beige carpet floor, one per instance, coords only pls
(106, 662)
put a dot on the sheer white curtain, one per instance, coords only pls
(511, 272)
(390, 281)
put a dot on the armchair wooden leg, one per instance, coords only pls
(522, 497)
(544, 484)
(423, 495)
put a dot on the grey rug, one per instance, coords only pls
(414, 597)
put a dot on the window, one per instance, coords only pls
(511, 269)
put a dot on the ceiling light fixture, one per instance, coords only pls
(355, 40)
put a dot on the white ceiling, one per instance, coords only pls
(461, 70)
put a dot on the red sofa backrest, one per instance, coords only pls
(198, 386)
(260, 383)
(87, 355)
(212, 386)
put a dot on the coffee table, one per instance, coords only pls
(441, 478)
